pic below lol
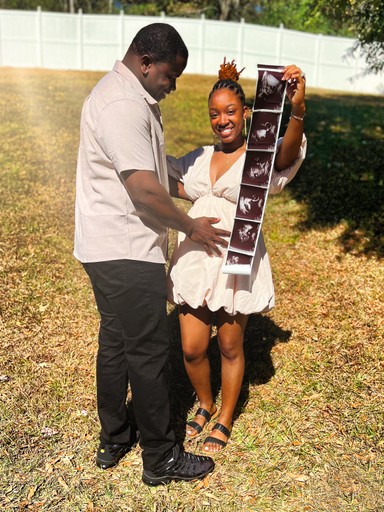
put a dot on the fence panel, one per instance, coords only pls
(93, 42)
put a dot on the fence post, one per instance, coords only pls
(80, 39)
(358, 71)
(39, 38)
(315, 78)
(241, 40)
(279, 44)
(202, 41)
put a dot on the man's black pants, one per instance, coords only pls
(133, 348)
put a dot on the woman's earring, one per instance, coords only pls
(245, 128)
(216, 140)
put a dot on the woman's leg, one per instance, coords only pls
(195, 328)
(231, 336)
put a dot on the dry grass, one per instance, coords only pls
(309, 430)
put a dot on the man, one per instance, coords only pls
(122, 211)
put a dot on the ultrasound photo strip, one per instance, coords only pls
(257, 171)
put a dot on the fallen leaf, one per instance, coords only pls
(299, 477)
(31, 492)
(212, 496)
(63, 483)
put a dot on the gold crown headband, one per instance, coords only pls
(228, 71)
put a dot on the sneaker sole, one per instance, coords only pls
(158, 480)
(106, 465)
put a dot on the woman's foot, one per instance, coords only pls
(218, 438)
(202, 417)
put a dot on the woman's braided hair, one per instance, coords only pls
(228, 79)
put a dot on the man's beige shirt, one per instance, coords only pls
(120, 130)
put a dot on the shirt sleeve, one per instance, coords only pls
(280, 179)
(124, 133)
(180, 168)
(175, 168)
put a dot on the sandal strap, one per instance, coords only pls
(214, 440)
(203, 412)
(222, 428)
(196, 426)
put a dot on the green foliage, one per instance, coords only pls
(46, 5)
(142, 8)
(365, 19)
(182, 8)
(296, 15)
(344, 182)
(87, 6)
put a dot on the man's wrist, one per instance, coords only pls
(188, 226)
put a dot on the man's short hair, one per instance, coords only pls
(161, 41)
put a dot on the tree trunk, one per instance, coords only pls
(225, 8)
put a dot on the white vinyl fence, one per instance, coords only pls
(94, 42)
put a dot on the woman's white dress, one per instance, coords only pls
(197, 279)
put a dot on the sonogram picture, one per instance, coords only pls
(257, 171)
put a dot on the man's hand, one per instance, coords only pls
(151, 199)
(204, 233)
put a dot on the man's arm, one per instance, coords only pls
(150, 197)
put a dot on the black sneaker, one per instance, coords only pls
(108, 455)
(181, 466)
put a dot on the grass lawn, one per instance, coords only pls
(308, 434)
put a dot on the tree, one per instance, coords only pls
(365, 18)
(88, 6)
(303, 15)
(362, 20)
(228, 7)
(214, 9)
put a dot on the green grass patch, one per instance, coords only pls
(308, 433)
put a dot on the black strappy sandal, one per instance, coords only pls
(210, 439)
(199, 429)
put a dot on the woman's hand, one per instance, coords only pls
(290, 146)
(295, 88)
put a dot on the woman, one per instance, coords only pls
(211, 179)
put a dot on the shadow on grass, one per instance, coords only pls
(261, 335)
(342, 178)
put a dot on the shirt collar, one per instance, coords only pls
(122, 69)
